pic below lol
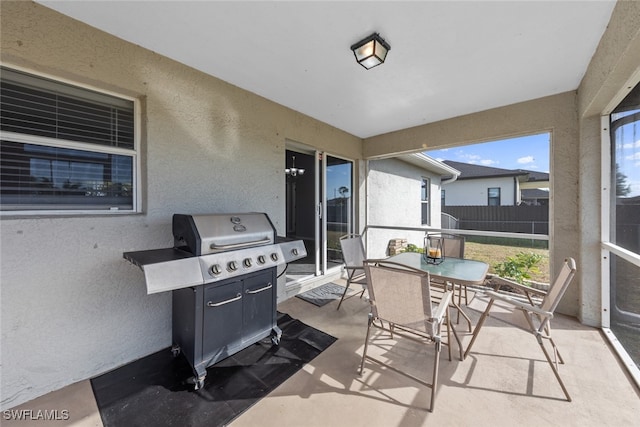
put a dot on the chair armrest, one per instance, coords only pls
(499, 281)
(519, 304)
(442, 307)
(360, 279)
(357, 275)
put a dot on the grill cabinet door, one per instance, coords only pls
(259, 305)
(222, 329)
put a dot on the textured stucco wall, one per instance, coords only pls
(555, 114)
(71, 306)
(393, 198)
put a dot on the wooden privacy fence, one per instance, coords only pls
(515, 219)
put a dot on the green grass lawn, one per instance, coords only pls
(494, 254)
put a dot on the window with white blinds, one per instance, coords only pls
(64, 148)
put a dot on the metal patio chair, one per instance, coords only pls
(402, 297)
(354, 255)
(538, 316)
(453, 247)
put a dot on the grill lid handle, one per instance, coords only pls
(264, 241)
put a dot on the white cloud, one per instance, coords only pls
(631, 145)
(525, 160)
(487, 162)
(476, 159)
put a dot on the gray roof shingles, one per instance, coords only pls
(471, 171)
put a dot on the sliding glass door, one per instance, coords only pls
(319, 209)
(338, 195)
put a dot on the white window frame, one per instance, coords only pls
(97, 148)
(425, 182)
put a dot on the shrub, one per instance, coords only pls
(519, 267)
(413, 248)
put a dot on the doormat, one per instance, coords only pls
(322, 295)
(153, 391)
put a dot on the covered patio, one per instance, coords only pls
(505, 377)
(202, 143)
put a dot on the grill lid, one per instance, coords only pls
(214, 233)
(212, 248)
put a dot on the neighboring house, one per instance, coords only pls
(535, 191)
(535, 197)
(404, 191)
(488, 186)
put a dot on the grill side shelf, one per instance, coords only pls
(154, 256)
(167, 269)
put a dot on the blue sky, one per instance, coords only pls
(627, 153)
(528, 152)
(532, 153)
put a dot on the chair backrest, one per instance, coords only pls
(559, 286)
(352, 250)
(453, 246)
(400, 295)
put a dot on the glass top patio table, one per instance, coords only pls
(460, 271)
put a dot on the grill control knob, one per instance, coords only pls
(261, 259)
(215, 269)
(274, 256)
(247, 262)
(294, 252)
(232, 266)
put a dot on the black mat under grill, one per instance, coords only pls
(152, 390)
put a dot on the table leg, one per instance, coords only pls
(457, 304)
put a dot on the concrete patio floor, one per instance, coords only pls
(505, 380)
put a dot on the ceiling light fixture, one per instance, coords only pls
(371, 51)
(293, 171)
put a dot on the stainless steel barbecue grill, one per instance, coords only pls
(222, 273)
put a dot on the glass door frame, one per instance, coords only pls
(608, 247)
(321, 213)
(320, 225)
(350, 210)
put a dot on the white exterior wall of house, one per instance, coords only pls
(394, 190)
(72, 307)
(474, 192)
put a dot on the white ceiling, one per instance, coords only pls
(447, 58)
